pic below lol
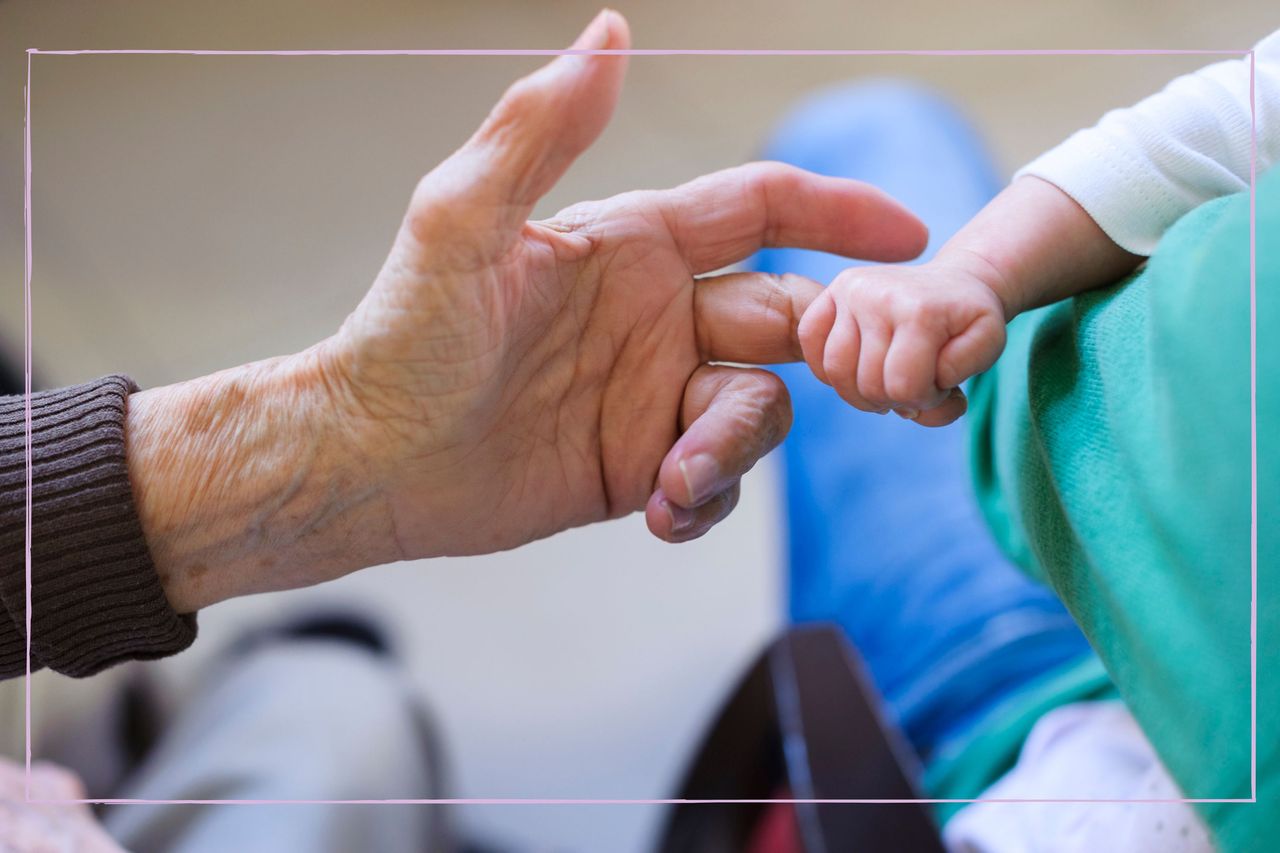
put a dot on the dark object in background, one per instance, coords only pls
(11, 378)
(803, 723)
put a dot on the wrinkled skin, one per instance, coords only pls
(523, 377)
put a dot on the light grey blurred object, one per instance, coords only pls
(313, 719)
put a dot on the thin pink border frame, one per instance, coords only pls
(1253, 400)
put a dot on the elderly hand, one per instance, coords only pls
(506, 379)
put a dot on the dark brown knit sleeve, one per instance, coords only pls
(96, 597)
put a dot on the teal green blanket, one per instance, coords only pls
(1111, 452)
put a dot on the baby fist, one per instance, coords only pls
(904, 338)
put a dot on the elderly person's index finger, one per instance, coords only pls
(751, 317)
(721, 218)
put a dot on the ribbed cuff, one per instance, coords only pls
(1127, 196)
(97, 600)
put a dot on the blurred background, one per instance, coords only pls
(196, 212)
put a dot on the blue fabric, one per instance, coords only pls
(885, 537)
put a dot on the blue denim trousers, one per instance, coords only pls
(884, 535)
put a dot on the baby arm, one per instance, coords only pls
(1078, 217)
(904, 338)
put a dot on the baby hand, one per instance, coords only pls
(904, 338)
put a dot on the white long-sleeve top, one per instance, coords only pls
(1141, 168)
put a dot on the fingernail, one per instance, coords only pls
(596, 35)
(681, 518)
(882, 411)
(701, 476)
(907, 414)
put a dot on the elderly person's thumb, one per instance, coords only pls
(488, 188)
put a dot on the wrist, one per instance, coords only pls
(1034, 245)
(983, 266)
(243, 482)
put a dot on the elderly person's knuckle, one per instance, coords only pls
(777, 175)
(521, 98)
(769, 411)
(776, 301)
(764, 386)
(427, 221)
(439, 208)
